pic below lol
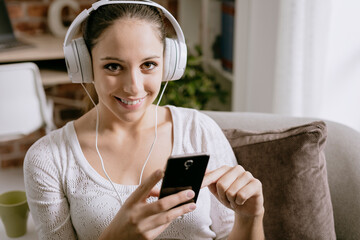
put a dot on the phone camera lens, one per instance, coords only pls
(188, 164)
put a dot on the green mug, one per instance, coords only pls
(14, 213)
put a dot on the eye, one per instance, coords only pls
(113, 67)
(148, 66)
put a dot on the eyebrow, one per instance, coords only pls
(120, 60)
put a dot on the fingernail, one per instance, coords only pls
(192, 207)
(190, 194)
(240, 203)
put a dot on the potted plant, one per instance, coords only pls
(196, 89)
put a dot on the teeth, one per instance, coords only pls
(131, 102)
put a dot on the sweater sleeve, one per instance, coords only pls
(48, 204)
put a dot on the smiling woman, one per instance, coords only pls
(127, 67)
(125, 14)
(98, 177)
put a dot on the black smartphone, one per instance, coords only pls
(184, 172)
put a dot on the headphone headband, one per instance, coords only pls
(181, 54)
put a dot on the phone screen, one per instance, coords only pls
(184, 172)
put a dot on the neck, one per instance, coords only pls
(110, 122)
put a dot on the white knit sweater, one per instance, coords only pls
(68, 199)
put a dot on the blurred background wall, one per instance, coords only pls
(30, 16)
(298, 58)
(291, 57)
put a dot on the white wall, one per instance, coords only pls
(256, 26)
(190, 20)
(257, 47)
(342, 88)
(261, 60)
(257, 36)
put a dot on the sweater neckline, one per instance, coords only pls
(91, 172)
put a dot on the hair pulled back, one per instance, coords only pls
(106, 15)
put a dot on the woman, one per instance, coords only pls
(67, 188)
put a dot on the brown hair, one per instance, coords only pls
(105, 16)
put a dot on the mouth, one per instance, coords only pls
(129, 102)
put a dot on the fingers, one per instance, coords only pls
(232, 189)
(250, 190)
(213, 176)
(155, 224)
(233, 177)
(249, 201)
(155, 192)
(147, 220)
(167, 203)
(146, 188)
(162, 212)
(233, 186)
(167, 217)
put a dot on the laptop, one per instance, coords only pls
(8, 39)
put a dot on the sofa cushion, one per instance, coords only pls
(291, 165)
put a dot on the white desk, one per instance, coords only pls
(13, 179)
(44, 48)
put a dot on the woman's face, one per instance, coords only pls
(128, 68)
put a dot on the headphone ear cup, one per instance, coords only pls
(170, 59)
(85, 62)
(78, 61)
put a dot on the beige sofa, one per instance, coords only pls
(342, 153)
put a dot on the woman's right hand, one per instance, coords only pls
(138, 219)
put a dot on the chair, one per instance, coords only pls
(23, 105)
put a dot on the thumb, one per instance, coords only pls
(146, 187)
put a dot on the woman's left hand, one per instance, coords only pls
(237, 189)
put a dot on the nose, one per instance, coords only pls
(133, 83)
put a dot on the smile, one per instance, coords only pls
(130, 102)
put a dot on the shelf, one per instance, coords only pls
(53, 77)
(46, 52)
(210, 29)
(43, 47)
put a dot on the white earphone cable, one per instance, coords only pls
(152, 145)
(96, 142)
(96, 139)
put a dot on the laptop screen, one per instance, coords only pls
(6, 30)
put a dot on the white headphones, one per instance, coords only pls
(77, 56)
